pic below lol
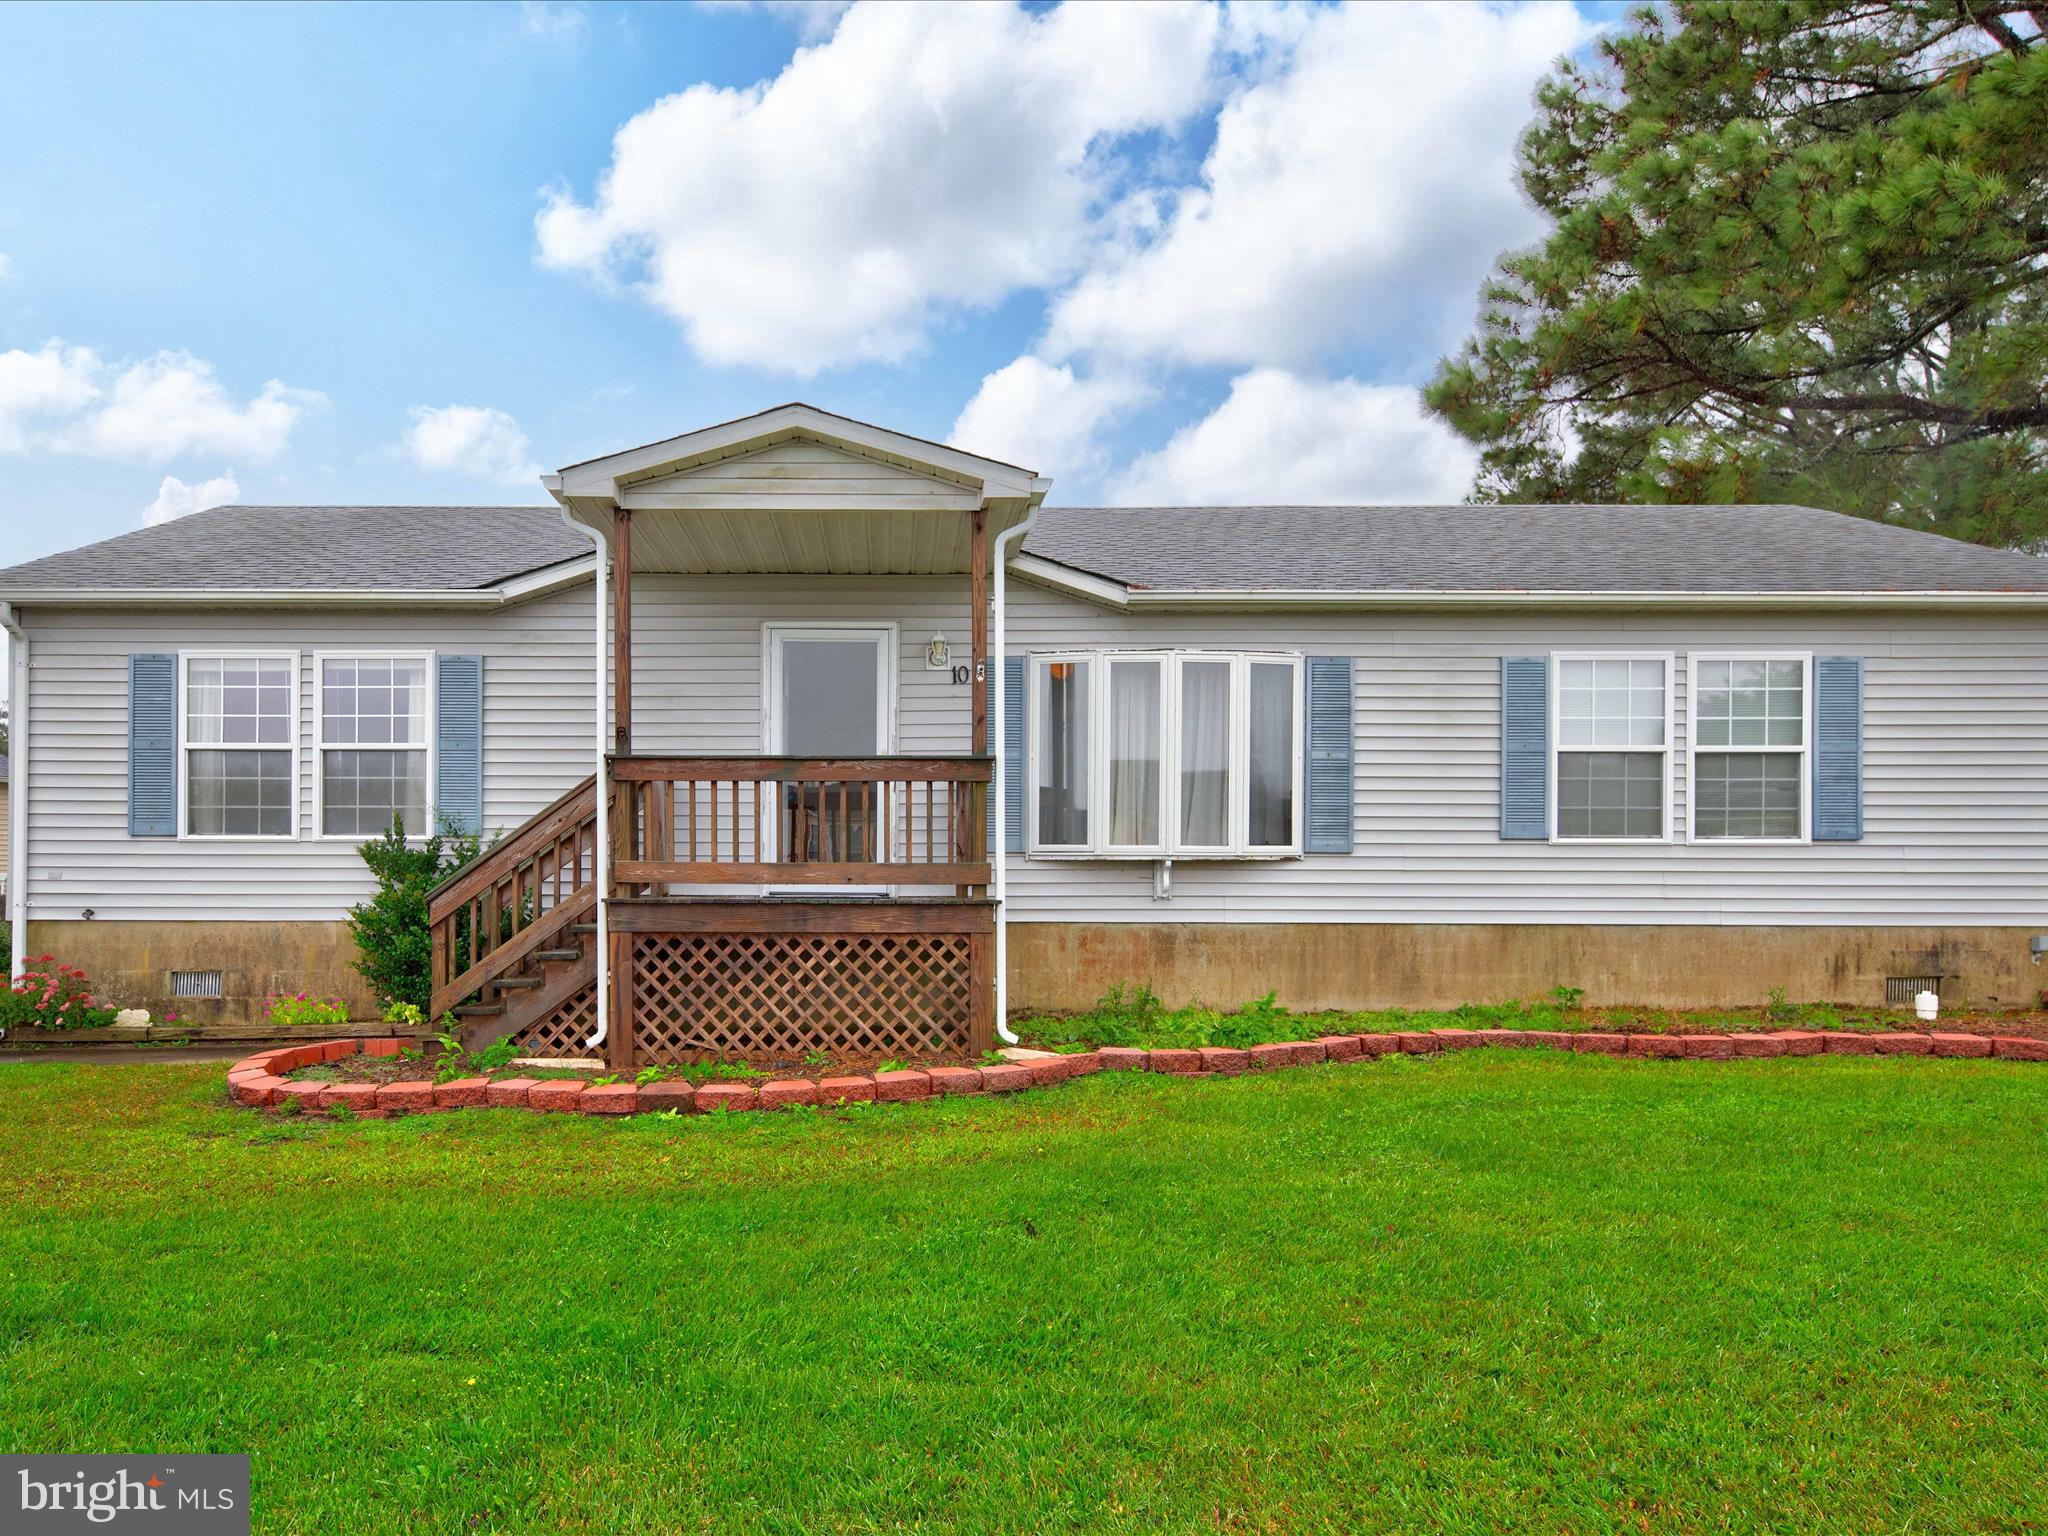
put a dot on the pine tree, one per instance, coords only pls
(1799, 253)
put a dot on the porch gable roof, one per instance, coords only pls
(796, 489)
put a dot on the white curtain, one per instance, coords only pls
(1205, 753)
(1134, 753)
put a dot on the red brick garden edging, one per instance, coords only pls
(259, 1080)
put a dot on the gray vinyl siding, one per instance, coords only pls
(699, 663)
(1955, 780)
(538, 736)
(1955, 758)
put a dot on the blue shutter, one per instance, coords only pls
(459, 742)
(1014, 716)
(1525, 746)
(153, 745)
(1327, 765)
(1837, 749)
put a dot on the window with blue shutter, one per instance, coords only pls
(459, 742)
(153, 745)
(1329, 759)
(1525, 747)
(1837, 749)
(1011, 703)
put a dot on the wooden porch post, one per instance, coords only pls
(622, 632)
(619, 1030)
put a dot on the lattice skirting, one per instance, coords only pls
(562, 1032)
(786, 994)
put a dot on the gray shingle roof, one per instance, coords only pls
(1519, 549)
(365, 549)
(1199, 549)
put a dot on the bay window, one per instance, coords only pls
(1612, 719)
(1749, 736)
(373, 745)
(1186, 754)
(237, 727)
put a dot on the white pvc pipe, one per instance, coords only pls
(999, 789)
(17, 791)
(602, 872)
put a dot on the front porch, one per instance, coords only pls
(828, 893)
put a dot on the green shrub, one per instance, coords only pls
(410, 1015)
(394, 950)
(295, 1010)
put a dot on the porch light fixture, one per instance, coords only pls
(938, 655)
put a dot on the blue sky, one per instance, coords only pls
(309, 254)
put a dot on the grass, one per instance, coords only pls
(1489, 1291)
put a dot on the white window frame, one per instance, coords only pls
(1034, 740)
(1804, 751)
(1100, 766)
(186, 748)
(1557, 661)
(322, 746)
(1239, 847)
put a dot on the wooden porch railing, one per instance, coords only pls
(485, 921)
(802, 821)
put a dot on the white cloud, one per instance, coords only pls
(1359, 186)
(1280, 438)
(174, 498)
(927, 159)
(811, 20)
(172, 404)
(6, 266)
(564, 23)
(42, 387)
(479, 441)
(1041, 416)
(70, 400)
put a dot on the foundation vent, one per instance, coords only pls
(1901, 990)
(207, 984)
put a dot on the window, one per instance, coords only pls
(1195, 753)
(238, 724)
(373, 745)
(1613, 744)
(1749, 735)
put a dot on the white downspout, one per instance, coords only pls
(1006, 542)
(17, 790)
(601, 565)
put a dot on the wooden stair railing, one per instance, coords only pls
(492, 925)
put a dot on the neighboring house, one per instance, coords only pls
(1357, 755)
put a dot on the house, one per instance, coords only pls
(1360, 755)
(6, 823)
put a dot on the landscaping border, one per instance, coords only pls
(259, 1081)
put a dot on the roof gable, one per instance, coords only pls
(617, 475)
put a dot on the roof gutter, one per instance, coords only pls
(1114, 594)
(17, 791)
(600, 777)
(1006, 541)
(518, 589)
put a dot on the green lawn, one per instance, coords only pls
(1489, 1291)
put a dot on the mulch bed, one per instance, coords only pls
(426, 1068)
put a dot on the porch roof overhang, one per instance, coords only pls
(796, 490)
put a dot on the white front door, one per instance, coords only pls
(831, 693)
